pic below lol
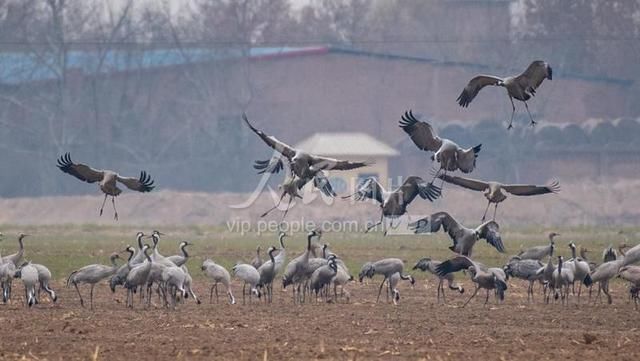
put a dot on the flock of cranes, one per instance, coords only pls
(317, 273)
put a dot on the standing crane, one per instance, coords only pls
(521, 87)
(94, 273)
(107, 180)
(487, 278)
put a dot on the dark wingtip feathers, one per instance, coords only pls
(64, 162)
(146, 182)
(550, 73)
(407, 120)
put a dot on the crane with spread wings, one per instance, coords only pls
(107, 179)
(394, 204)
(447, 153)
(493, 191)
(463, 238)
(521, 87)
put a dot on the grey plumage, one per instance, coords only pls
(217, 274)
(29, 276)
(385, 267)
(267, 273)
(92, 274)
(107, 180)
(180, 259)
(138, 275)
(429, 265)
(525, 269)
(487, 278)
(521, 87)
(44, 277)
(463, 238)
(250, 276)
(539, 252)
(256, 262)
(322, 276)
(16, 258)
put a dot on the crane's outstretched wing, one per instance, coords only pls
(142, 184)
(273, 165)
(272, 142)
(414, 186)
(531, 190)
(371, 189)
(474, 86)
(326, 163)
(467, 158)
(421, 133)
(491, 232)
(468, 183)
(434, 222)
(536, 72)
(79, 170)
(454, 265)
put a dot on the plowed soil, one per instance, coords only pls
(416, 329)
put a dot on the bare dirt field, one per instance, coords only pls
(416, 329)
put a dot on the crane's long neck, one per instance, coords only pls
(147, 255)
(273, 260)
(140, 242)
(184, 250)
(559, 265)
(573, 252)
(282, 241)
(113, 262)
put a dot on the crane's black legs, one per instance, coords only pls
(103, 202)
(533, 122)
(495, 210)
(286, 210)
(276, 206)
(115, 211)
(513, 111)
(472, 296)
(380, 290)
(79, 295)
(484, 216)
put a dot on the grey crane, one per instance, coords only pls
(581, 270)
(107, 180)
(463, 238)
(603, 274)
(44, 277)
(393, 280)
(302, 164)
(525, 269)
(29, 276)
(562, 278)
(156, 256)
(218, 274)
(342, 277)
(7, 272)
(267, 273)
(493, 191)
(583, 255)
(546, 275)
(609, 254)
(138, 275)
(521, 87)
(429, 265)
(281, 257)
(632, 256)
(256, 262)
(447, 153)
(120, 276)
(394, 204)
(173, 279)
(385, 267)
(16, 258)
(631, 274)
(250, 276)
(483, 277)
(94, 273)
(322, 276)
(295, 270)
(188, 281)
(180, 259)
(539, 252)
(292, 184)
